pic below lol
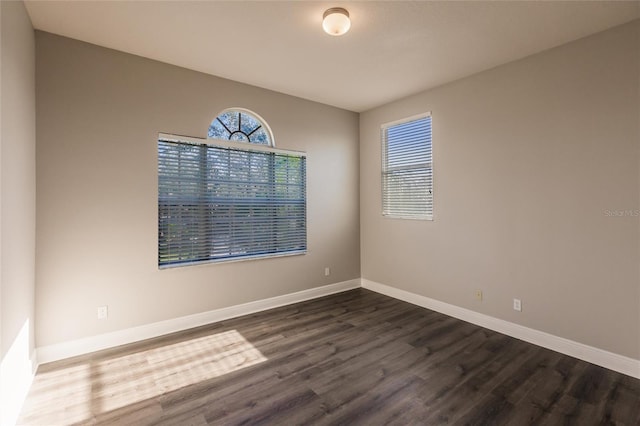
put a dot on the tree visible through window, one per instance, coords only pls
(240, 125)
(225, 199)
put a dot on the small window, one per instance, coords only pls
(407, 168)
(236, 124)
(229, 198)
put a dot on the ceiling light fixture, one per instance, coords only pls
(335, 21)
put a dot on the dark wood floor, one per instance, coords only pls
(356, 358)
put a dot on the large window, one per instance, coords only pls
(407, 168)
(224, 199)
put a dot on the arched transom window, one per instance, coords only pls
(237, 124)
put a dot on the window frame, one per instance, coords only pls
(384, 167)
(238, 146)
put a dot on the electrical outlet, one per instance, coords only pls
(327, 271)
(479, 295)
(517, 305)
(103, 312)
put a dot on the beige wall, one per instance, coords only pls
(99, 114)
(17, 174)
(528, 159)
(17, 207)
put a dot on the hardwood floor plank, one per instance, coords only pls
(382, 403)
(353, 358)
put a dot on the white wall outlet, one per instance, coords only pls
(479, 295)
(103, 312)
(327, 271)
(517, 305)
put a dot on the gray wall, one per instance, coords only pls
(533, 162)
(99, 114)
(17, 176)
(530, 161)
(17, 207)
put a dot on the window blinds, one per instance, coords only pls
(407, 170)
(219, 202)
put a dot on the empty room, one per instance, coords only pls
(310, 212)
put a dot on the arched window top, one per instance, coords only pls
(241, 125)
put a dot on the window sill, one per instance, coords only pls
(232, 259)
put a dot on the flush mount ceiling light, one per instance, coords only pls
(335, 21)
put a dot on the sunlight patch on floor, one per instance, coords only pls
(60, 397)
(81, 392)
(176, 366)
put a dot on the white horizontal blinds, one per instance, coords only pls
(407, 169)
(220, 203)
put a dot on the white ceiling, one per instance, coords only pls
(394, 48)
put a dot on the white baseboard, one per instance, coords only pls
(121, 337)
(612, 361)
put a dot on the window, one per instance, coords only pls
(225, 199)
(407, 168)
(240, 125)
